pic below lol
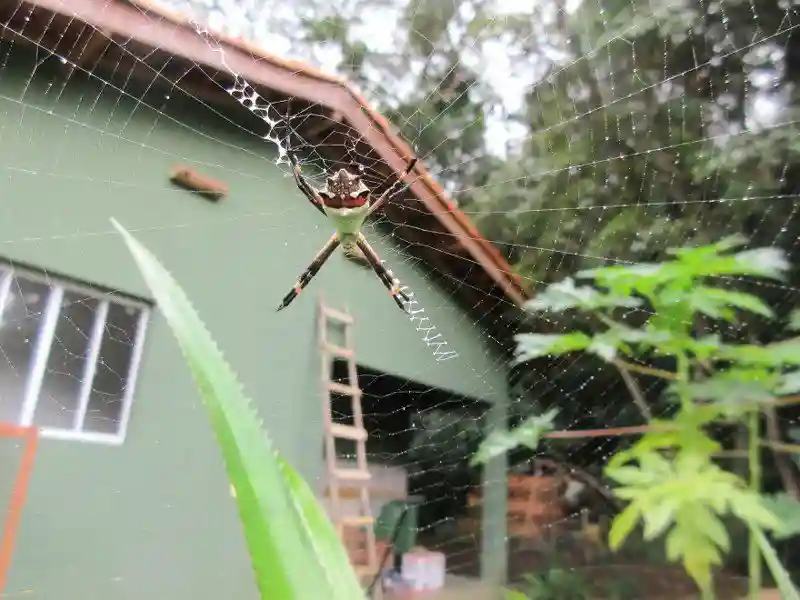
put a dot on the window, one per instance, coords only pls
(69, 356)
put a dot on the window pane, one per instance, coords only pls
(61, 385)
(19, 325)
(111, 378)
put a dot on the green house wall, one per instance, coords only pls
(153, 518)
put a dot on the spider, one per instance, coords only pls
(347, 201)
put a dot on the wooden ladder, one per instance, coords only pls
(360, 476)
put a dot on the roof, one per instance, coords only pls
(159, 41)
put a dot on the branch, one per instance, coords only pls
(782, 447)
(652, 372)
(578, 434)
(634, 389)
(782, 463)
(788, 400)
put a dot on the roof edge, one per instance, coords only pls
(402, 147)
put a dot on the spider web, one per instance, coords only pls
(424, 421)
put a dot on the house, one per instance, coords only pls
(102, 103)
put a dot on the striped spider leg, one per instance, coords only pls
(309, 273)
(384, 274)
(302, 183)
(397, 188)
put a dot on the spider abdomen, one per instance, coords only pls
(348, 221)
(350, 245)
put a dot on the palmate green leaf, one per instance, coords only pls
(720, 304)
(658, 520)
(623, 280)
(779, 354)
(739, 390)
(693, 549)
(730, 391)
(685, 496)
(685, 432)
(565, 295)
(737, 240)
(789, 383)
(622, 526)
(752, 509)
(692, 264)
(714, 529)
(770, 263)
(293, 547)
(528, 433)
(787, 511)
(794, 320)
(496, 444)
(536, 345)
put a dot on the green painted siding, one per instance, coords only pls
(152, 518)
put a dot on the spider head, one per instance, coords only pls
(344, 190)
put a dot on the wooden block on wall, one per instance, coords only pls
(190, 179)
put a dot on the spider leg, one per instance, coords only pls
(398, 187)
(312, 270)
(302, 182)
(384, 274)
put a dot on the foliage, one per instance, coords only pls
(553, 584)
(794, 320)
(785, 507)
(557, 583)
(624, 589)
(672, 485)
(527, 434)
(293, 547)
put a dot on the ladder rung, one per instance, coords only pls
(348, 432)
(356, 521)
(336, 315)
(352, 474)
(346, 390)
(338, 351)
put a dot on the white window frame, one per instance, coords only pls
(44, 342)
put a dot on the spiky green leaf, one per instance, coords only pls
(294, 549)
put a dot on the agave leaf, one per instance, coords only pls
(293, 546)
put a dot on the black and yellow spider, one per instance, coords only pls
(347, 202)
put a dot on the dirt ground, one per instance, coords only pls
(654, 581)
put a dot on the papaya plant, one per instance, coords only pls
(678, 310)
